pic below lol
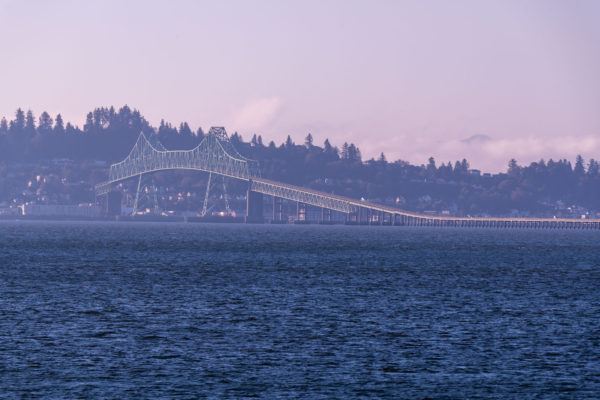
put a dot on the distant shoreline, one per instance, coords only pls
(121, 218)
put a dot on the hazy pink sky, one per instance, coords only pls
(411, 79)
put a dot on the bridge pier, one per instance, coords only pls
(113, 203)
(277, 211)
(254, 208)
(325, 216)
(301, 213)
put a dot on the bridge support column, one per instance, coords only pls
(302, 213)
(326, 216)
(113, 203)
(254, 208)
(205, 204)
(277, 217)
(146, 189)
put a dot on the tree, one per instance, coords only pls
(70, 129)
(184, 129)
(431, 168)
(345, 148)
(464, 164)
(382, 158)
(579, 169)
(357, 155)
(308, 141)
(513, 168)
(3, 126)
(59, 127)
(288, 143)
(45, 123)
(236, 138)
(18, 124)
(327, 146)
(431, 164)
(260, 141)
(254, 141)
(354, 153)
(593, 168)
(89, 123)
(30, 124)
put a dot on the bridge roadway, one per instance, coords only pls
(363, 212)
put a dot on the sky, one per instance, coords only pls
(483, 80)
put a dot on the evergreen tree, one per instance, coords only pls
(59, 127)
(464, 165)
(345, 153)
(308, 141)
(45, 123)
(354, 153)
(579, 169)
(431, 164)
(457, 168)
(260, 141)
(288, 143)
(184, 130)
(593, 168)
(17, 125)
(88, 127)
(327, 146)
(513, 168)
(70, 129)
(3, 126)
(30, 124)
(162, 127)
(236, 139)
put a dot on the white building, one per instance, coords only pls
(61, 210)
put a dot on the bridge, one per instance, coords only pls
(217, 155)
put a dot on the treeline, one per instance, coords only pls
(108, 134)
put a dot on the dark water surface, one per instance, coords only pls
(142, 310)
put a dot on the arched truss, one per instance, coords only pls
(214, 154)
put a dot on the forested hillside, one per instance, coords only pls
(544, 188)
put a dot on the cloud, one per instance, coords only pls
(484, 152)
(256, 115)
(493, 154)
(477, 139)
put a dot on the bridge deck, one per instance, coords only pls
(349, 205)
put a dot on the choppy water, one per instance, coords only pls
(141, 310)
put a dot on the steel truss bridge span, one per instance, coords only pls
(217, 155)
